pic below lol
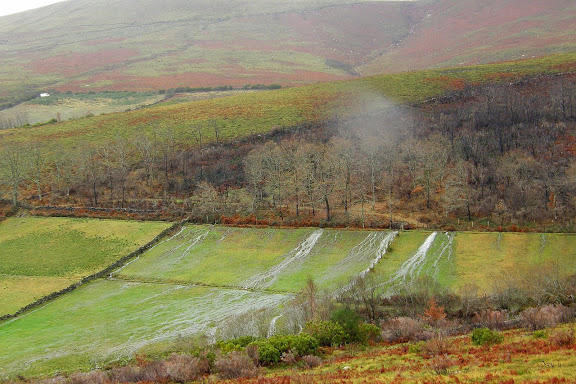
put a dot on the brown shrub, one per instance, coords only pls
(153, 371)
(441, 364)
(128, 374)
(289, 358)
(563, 338)
(439, 345)
(235, 365)
(312, 361)
(184, 368)
(405, 329)
(53, 380)
(94, 377)
(434, 313)
(252, 352)
(543, 317)
(491, 319)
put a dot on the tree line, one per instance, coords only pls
(504, 152)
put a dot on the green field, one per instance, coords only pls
(192, 282)
(74, 106)
(43, 255)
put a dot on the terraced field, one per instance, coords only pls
(43, 255)
(191, 283)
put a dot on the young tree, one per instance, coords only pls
(15, 168)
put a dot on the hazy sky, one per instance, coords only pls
(8, 7)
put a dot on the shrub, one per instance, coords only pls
(434, 313)
(563, 338)
(485, 336)
(349, 320)
(544, 317)
(94, 377)
(289, 358)
(270, 350)
(235, 365)
(328, 333)
(441, 364)
(185, 368)
(405, 329)
(491, 319)
(267, 353)
(436, 346)
(312, 361)
(368, 333)
(128, 374)
(235, 344)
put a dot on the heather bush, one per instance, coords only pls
(94, 377)
(185, 368)
(235, 365)
(492, 319)
(438, 345)
(486, 336)
(328, 333)
(312, 361)
(289, 358)
(544, 317)
(405, 329)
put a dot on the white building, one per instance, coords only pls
(44, 95)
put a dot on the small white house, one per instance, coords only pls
(44, 95)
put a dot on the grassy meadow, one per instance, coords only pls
(75, 106)
(42, 255)
(191, 283)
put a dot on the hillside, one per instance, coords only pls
(441, 145)
(86, 46)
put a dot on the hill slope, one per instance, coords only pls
(85, 45)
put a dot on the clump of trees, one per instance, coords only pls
(501, 153)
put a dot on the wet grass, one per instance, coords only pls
(109, 320)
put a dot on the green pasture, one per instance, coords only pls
(42, 255)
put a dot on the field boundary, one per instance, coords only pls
(100, 274)
(129, 279)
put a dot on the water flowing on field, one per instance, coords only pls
(369, 252)
(436, 249)
(297, 255)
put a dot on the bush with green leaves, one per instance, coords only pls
(270, 350)
(350, 321)
(369, 333)
(328, 333)
(227, 346)
(485, 336)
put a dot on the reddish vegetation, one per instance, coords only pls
(77, 63)
(451, 28)
(199, 79)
